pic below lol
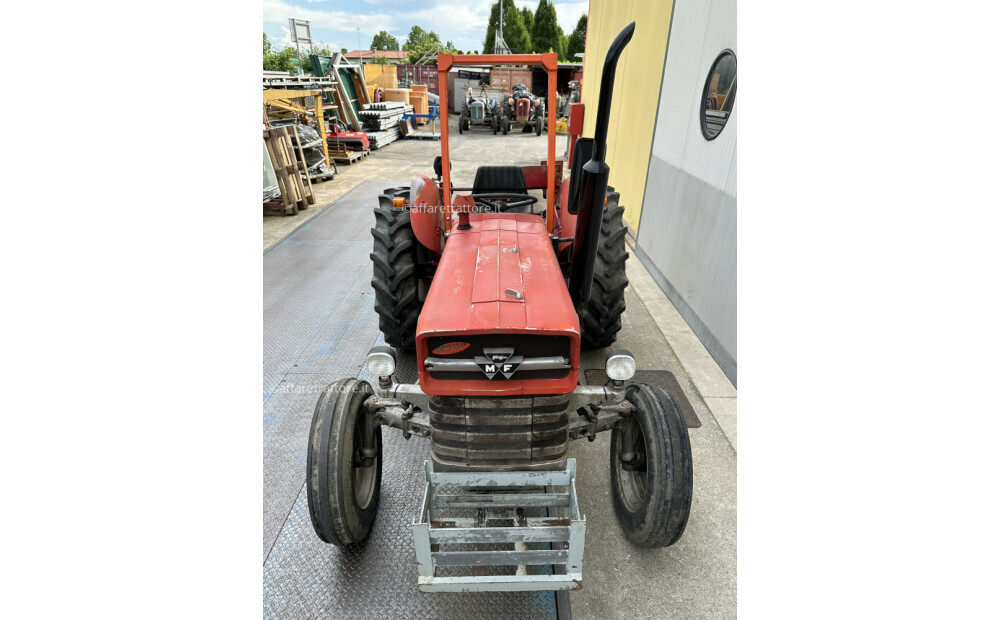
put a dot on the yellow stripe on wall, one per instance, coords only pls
(637, 89)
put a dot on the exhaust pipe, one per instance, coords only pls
(593, 186)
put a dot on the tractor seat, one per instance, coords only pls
(506, 179)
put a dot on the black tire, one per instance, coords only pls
(394, 262)
(506, 126)
(652, 506)
(343, 494)
(601, 317)
(461, 122)
(496, 125)
(539, 119)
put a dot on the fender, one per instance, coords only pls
(426, 214)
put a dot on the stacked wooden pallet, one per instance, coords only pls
(341, 154)
(296, 192)
(316, 168)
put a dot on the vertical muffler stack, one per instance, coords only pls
(589, 198)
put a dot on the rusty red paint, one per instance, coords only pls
(536, 177)
(426, 215)
(468, 297)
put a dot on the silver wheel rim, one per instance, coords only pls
(363, 477)
(631, 484)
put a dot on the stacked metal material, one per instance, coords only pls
(381, 121)
(379, 139)
(381, 116)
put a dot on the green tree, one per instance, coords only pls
(577, 39)
(380, 60)
(385, 41)
(527, 18)
(418, 37)
(545, 30)
(420, 42)
(514, 33)
(319, 49)
(278, 61)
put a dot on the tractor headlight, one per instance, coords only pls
(381, 361)
(620, 365)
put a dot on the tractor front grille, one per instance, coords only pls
(523, 108)
(512, 433)
(541, 356)
(477, 111)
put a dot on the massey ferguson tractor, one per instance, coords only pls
(524, 108)
(480, 111)
(497, 299)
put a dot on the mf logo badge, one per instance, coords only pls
(498, 362)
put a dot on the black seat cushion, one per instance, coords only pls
(495, 179)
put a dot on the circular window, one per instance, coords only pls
(719, 95)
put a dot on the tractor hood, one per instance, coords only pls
(501, 279)
(500, 275)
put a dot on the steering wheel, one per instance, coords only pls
(502, 201)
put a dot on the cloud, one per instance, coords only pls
(568, 13)
(463, 23)
(278, 12)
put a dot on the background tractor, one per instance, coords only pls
(479, 111)
(496, 297)
(525, 108)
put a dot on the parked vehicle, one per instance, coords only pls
(479, 111)
(497, 304)
(524, 108)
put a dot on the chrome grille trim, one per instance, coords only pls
(442, 364)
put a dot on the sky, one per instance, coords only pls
(336, 23)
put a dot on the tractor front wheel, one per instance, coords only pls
(344, 464)
(651, 471)
(601, 316)
(504, 126)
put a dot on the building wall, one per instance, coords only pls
(637, 88)
(687, 230)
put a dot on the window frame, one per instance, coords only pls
(704, 95)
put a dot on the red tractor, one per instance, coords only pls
(498, 302)
(524, 108)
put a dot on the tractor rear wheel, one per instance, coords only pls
(344, 464)
(394, 262)
(652, 476)
(601, 317)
